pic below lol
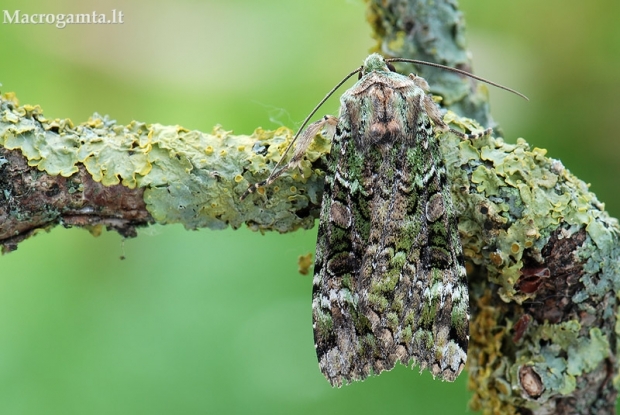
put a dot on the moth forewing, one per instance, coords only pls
(303, 141)
(327, 125)
(389, 282)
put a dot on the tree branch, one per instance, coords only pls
(123, 177)
(541, 251)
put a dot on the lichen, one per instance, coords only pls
(528, 195)
(511, 198)
(190, 177)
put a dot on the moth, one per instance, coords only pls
(389, 278)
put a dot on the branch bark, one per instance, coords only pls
(100, 174)
(544, 307)
(541, 251)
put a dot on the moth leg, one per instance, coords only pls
(328, 122)
(433, 112)
(420, 82)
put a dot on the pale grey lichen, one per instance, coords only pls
(510, 199)
(190, 177)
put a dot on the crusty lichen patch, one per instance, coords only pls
(525, 195)
(190, 177)
(511, 198)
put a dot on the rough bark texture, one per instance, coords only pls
(44, 201)
(554, 304)
(100, 174)
(541, 251)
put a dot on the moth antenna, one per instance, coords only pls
(460, 71)
(275, 171)
(316, 108)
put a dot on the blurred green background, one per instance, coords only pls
(220, 322)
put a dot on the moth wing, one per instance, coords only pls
(389, 278)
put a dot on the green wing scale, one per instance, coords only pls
(389, 281)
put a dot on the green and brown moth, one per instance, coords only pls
(389, 279)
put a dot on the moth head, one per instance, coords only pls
(375, 62)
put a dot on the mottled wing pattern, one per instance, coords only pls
(389, 280)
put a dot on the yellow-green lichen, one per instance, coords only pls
(527, 194)
(189, 177)
(510, 199)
